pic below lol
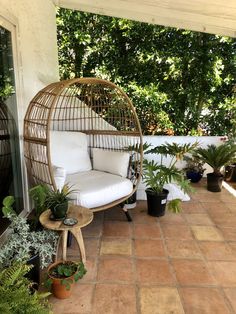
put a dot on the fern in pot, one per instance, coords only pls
(156, 175)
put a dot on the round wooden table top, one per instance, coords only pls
(82, 214)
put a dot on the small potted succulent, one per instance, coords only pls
(156, 175)
(194, 168)
(217, 157)
(57, 202)
(61, 277)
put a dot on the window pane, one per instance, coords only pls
(10, 167)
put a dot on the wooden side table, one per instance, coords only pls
(84, 217)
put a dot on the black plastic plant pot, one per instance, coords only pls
(156, 202)
(193, 176)
(34, 273)
(214, 182)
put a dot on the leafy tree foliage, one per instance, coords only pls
(181, 82)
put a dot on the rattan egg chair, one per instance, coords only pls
(95, 107)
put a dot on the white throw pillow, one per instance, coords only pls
(69, 150)
(111, 161)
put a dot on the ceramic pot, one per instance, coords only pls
(193, 176)
(60, 210)
(58, 288)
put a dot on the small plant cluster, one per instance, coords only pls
(67, 271)
(22, 242)
(54, 198)
(194, 164)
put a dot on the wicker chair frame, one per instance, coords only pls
(93, 106)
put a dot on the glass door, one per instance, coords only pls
(10, 162)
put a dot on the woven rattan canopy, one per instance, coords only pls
(93, 106)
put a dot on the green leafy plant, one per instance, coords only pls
(22, 243)
(16, 294)
(218, 156)
(157, 174)
(57, 197)
(67, 271)
(39, 194)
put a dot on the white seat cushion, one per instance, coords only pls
(69, 150)
(95, 188)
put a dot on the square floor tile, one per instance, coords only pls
(206, 233)
(198, 219)
(147, 231)
(116, 229)
(91, 267)
(213, 250)
(203, 301)
(172, 218)
(192, 208)
(160, 300)
(149, 248)
(91, 246)
(115, 269)
(228, 233)
(180, 232)
(140, 216)
(116, 246)
(224, 272)
(114, 299)
(188, 249)
(151, 271)
(225, 220)
(231, 295)
(79, 302)
(192, 272)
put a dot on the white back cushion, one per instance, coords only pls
(110, 161)
(69, 150)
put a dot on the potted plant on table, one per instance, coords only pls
(57, 202)
(24, 245)
(194, 168)
(61, 277)
(217, 157)
(156, 175)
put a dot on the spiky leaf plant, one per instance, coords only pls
(218, 156)
(16, 294)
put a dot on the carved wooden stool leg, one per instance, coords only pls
(64, 243)
(79, 238)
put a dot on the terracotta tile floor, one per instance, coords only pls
(175, 264)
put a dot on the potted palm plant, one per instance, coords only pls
(156, 175)
(217, 157)
(61, 277)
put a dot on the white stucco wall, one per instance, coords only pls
(33, 25)
(36, 45)
(159, 140)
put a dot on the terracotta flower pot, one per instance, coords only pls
(58, 287)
